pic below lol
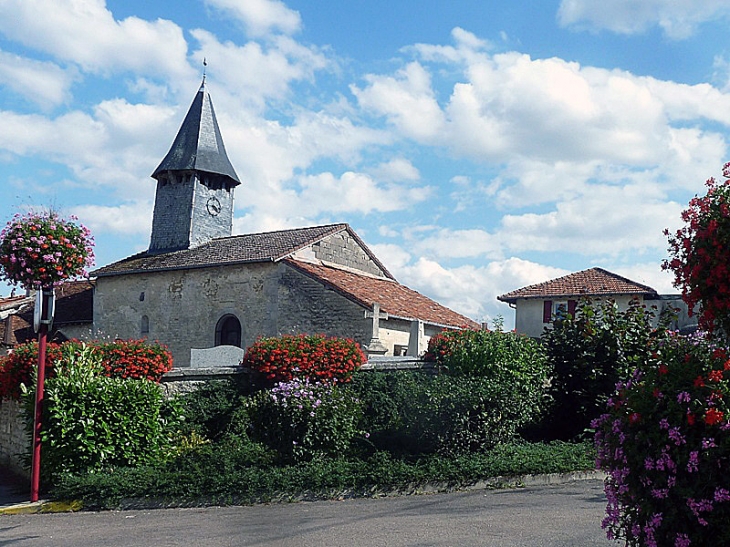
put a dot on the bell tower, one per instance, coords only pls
(195, 184)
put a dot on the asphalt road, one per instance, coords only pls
(560, 515)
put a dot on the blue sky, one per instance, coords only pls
(476, 146)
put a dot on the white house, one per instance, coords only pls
(536, 306)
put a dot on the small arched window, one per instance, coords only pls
(144, 325)
(228, 331)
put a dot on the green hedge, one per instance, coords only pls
(228, 474)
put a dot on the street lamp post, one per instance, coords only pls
(42, 320)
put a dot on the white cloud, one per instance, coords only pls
(127, 219)
(261, 16)
(397, 169)
(85, 32)
(605, 220)
(113, 149)
(407, 100)
(354, 192)
(40, 82)
(472, 290)
(449, 243)
(677, 18)
(254, 73)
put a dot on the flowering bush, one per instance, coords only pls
(313, 357)
(119, 359)
(41, 250)
(700, 254)
(665, 444)
(16, 367)
(135, 359)
(301, 419)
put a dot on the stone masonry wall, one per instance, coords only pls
(343, 249)
(306, 306)
(14, 441)
(205, 225)
(171, 216)
(183, 307)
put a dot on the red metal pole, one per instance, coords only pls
(35, 474)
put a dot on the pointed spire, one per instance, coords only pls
(198, 145)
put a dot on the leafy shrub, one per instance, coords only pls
(409, 413)
(589, 353)
(313, 357)
(513, 369)
(228, 474)
(119, 359)
(302, 420)
(665, 444)
(208, 410)
(92, 422)
(396, 410)
(486, 353)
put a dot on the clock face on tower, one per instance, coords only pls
(213, 206)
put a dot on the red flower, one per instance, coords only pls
(715, 376)
(699, 382)
(713, 416)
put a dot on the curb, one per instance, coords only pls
(42, 507)
(494, 483)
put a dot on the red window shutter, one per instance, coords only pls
(547, 311)
(572, 304)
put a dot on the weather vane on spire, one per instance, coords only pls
(205, 66)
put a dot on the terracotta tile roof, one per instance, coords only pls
(10, 302)
(395, 299)
(74, 305)
(241, 249)
(592, 282)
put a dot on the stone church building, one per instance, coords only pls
(197, 286)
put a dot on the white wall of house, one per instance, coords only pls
(529, 313)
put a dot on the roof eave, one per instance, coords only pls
(514, 299)
(175, 268)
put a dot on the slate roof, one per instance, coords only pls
(199, 144)
(397, 300)
(74, 305)
(241, 249)
(591, 282)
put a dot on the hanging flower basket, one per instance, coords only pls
(41, 250)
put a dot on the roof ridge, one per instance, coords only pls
(561, 286)
(281, 231)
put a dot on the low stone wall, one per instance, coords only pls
(184, 380)
(14, 440)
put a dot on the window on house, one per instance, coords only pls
(144, 325)
(555, 310)
(228, 331)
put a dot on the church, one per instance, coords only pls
(197, 286)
